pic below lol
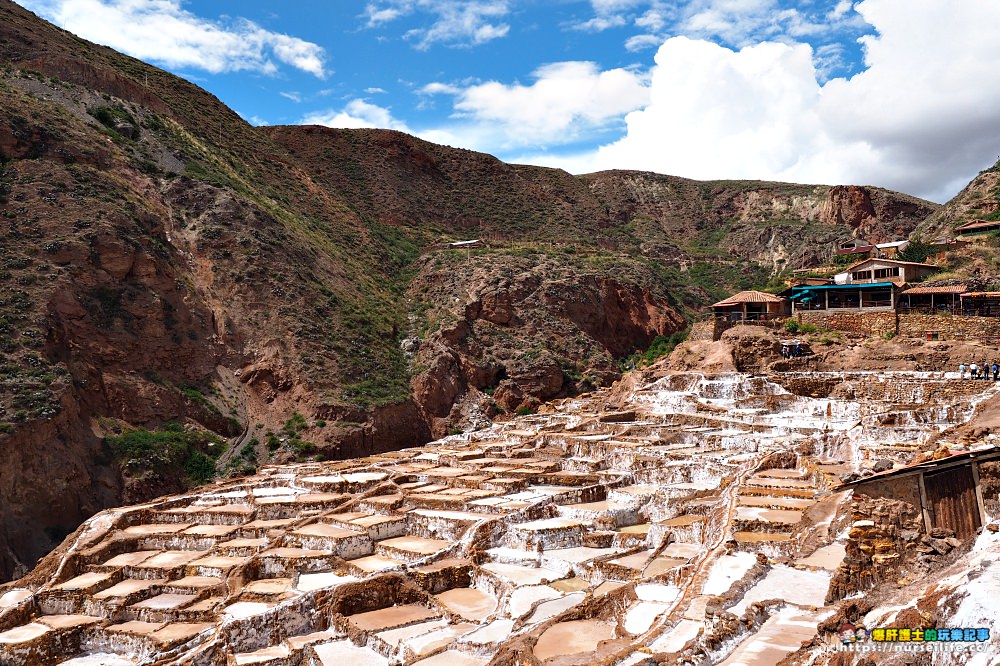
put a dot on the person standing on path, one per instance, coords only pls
(961, 371)
(996, 371)
(973, 370)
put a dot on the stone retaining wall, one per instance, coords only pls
(703, 331)
(908, 325)
(948, 326)
(858, 323)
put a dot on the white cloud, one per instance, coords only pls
(357, 114)
(455, 22)
(375, 91)
(923, 117)
(377, 16)
(565, 100)
(438, 88)
(738, 23)
(294, 96)
(164, 32)
(612, 6)
(608, 14)
(640, 42)
(601, 23)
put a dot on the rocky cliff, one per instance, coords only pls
(979, 200)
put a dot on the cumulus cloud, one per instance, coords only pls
(438, 88)
(454, 23)
(163, 31)
(922, 117)
(565, 100)
(356, 114)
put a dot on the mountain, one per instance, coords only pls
(182, 292)
(979, 200)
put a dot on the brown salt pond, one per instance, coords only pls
(388, 618)
(573, 637)
(827, 557)
(761, 537)
(413, 544)
(795, 503)
(470, 603)
(780, 635)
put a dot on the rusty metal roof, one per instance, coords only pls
(956, 458)
(977, 224)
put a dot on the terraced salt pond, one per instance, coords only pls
(584, 530)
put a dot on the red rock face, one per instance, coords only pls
(521, 331)
(849, 205)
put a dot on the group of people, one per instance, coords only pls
(793, 349)
(977, 371)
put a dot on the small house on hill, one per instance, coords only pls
(841, 297)
(752, 306)
(977, 227)
(872, 284)
(855, 246)
(884, 270)
(890, 250)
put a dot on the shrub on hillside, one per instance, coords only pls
(172, 450)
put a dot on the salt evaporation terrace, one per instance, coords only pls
(588, 534)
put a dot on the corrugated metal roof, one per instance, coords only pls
(954, 457)
(977, 224)
(750, 296)
(955, 289)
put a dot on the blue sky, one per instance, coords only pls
(897, 93)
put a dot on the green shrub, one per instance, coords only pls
(295, 425)
(661, 346)
(793, 326)
(172, 450)
(917, 251)
(524, 411)
(200, 468)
